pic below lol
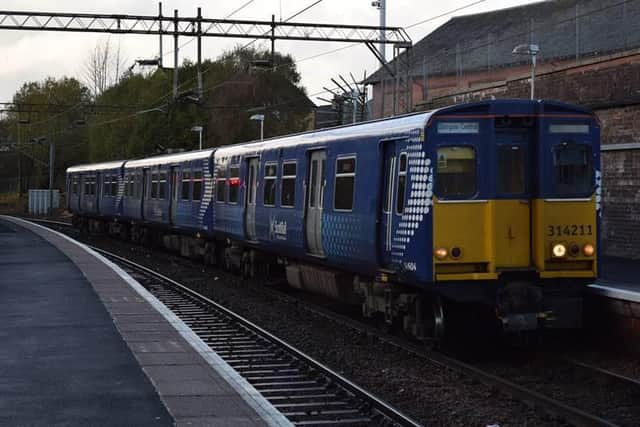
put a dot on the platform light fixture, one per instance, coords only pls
(199, 130)
(260, 118)
(532, 50)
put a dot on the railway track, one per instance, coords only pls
(523, 393)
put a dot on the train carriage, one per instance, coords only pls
(95, 190)
(494, 203)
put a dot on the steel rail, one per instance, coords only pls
(550, 405)
(361, 396)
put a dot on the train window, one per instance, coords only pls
(154, 186)
(388, 195)
(162, 183)
(197, 185)
(221, 184)
(344, 184)
(186, 182)
(270, 175)
(114, 185)
(93, 186)
(511, 169)
(572, 169)
(106, 185)
(234, 183)
(288, 191)
(402, 184)
(456, 176)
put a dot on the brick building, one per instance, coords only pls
(590, 56)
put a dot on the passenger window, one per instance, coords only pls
(344, 184)
(197, 185)
(114, 185)
(220, 186)
(573, 173)
(313, 179)
(234, 183)
(388, 195)
(162, 182)
(456, 176)
(106, 185)
(270, 175)
(154, 186)
(288, 191)
(402, 183)
(93, 186)
(186, 182)
(511, 169)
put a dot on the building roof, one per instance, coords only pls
(564, 29)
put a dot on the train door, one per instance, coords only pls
(174, 188)
(98, 184)
(393, 195)
(146, 190)
(314, 202)
(512, 216)
(250, 199)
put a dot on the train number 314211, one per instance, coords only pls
(569, 230)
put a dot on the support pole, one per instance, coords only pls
(273, 42)
(160, 36)
(200, 62)
(533, 74)
(175, 53)
(52, 149)
(383, 24)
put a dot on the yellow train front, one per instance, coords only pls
(516, 209)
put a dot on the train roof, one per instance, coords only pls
(382, 128)
(169, 159)
(90, 167)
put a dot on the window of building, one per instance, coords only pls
(270, 175)
(162, 185)
(402, 183)
(573, 173)
(197, 185)
(234, 184)
(511, 169)
(456, 172)
(288, 191)
(186, 185)
(344, 184)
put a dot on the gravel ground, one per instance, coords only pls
(430, 394)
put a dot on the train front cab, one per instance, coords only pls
(516, 208)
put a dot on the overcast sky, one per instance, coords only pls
(34, 55)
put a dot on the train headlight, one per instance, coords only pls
(440, 253)
(559, 250)
(588, 249)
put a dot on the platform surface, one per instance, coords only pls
(619, 279)
(62, 361)
(84, 344)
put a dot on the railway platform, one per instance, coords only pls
(85, 344)
(619, 280)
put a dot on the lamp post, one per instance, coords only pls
(199, 130)
(259, 117)
(531, 50)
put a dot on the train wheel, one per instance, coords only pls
(434, 319)
(247, 264)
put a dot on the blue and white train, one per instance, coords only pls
(492, 204)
